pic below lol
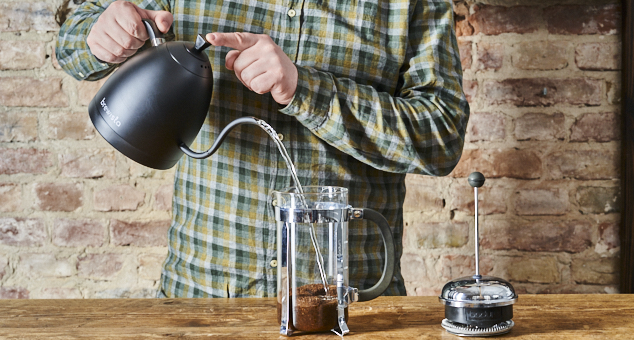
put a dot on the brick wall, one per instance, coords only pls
(543, 81)
(78, 220)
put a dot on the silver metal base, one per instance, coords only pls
(466, 330)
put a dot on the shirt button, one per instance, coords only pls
(280, 136)
(291, 13)
(274, 263)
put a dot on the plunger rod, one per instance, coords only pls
(476, 180)
(477, 235)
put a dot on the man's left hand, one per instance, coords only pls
(259, 64)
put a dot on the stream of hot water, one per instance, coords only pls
(273, 134)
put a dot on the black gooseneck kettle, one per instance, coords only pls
(153, 106)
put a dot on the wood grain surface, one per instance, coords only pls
(535, 316)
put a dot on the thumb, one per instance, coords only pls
(162, 19)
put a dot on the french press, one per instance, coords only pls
(478, 305)
(312, 251)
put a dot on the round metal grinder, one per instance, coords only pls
(478, 305)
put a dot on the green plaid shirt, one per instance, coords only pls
(379, 95)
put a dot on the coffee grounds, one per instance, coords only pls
(315, 311)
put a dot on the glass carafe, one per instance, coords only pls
(312, 272)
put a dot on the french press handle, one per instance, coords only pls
(388, 244)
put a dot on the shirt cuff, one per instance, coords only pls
(97, 65)
(89, 66)
(313, 97)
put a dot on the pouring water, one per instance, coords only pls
(273, 134)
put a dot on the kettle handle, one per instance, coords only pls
(221, 137)
(156, 36)
(388, 243)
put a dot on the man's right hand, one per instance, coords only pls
(119, 31)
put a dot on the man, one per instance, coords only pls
(360, 91)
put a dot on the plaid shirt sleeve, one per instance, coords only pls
(420, 128)
(72, 51)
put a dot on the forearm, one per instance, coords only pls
(420, 131)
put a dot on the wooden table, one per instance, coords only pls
(536, 317)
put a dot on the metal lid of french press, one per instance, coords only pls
(486, 292)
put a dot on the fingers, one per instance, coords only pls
(259, 63)
(230, 58)
(245, 61)
(256, 74)
(115, 41)
(104, 47)
(127, 33)
(162, 19)
(262, 83)
(237, 40)
(123, 17)
(119, 31)
(253, 71)
(238, 61)
(105, 55)
(243, 64)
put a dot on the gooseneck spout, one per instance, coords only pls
(221, 137)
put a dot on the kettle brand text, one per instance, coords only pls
(110, 115)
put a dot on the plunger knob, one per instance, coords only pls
(476, 179)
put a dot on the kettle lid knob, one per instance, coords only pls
(200, 44)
